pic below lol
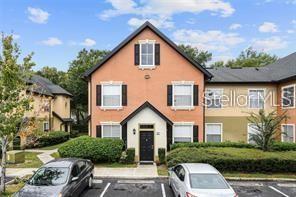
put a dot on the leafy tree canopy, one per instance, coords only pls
(54, 75)
(202, 57)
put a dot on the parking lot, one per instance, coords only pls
(160, 188)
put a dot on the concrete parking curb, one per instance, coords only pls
(131, 178)
(259, 179)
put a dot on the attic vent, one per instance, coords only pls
(147, 126)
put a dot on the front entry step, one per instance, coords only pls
(146, 163)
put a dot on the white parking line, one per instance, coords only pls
(278, 191)
(105, 189)
(162, 190)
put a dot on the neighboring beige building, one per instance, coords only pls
(50, 106)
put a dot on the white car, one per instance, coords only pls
(198, 180)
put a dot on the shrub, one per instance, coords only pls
(161, 155)
(212, 144)
(74, 133)
(284, 146)
(130, 152)
(52, 138)
(95, 149)
(236, 159)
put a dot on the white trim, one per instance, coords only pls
(108, 83)
(214, 123)
(153, 53)
(45, 122)
(180, 83)
(220, 89)
(111, 124)
(264, 93)
(183, 124)
(294, 137)
(282, 96)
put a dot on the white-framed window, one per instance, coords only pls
(183, 94)
(147, 53)
(111, 130)
(182, 132)
(252, 129)
(288, 96)
(256, 98)
(214, 132)
(111, 95)
(288, 133)
(213, 97)
(45, 126)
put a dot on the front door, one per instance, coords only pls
(146, 146)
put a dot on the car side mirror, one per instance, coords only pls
(74, 179)
(171, 169)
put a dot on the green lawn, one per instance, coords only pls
(52, 147)
(260, 175)
(31, 161)
(11, 189)
(55, 155)
(115, 165)
(162, 170)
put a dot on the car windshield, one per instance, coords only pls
(49, 176)
(207, 181)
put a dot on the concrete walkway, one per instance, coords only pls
(141, 171)
(45, 155)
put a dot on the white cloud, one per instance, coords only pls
(38, 15)
(160, 9)
(191, 21)
(269, 44)
(52, 41)
(268, 27)
(88, 42)
(235, 26)
(211, 40)
(159, 23)
(290, 31)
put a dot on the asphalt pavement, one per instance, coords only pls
(160, 188)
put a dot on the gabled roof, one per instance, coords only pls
(46, 87)
(144, 106)
(281, 70)
(62, 119)
(133, 35)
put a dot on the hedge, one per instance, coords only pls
(52, 138)
(236, 159)
(284, 146)
(161, 155)
(212, 144)
(95, 149)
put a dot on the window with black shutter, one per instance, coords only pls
(98, 95)
(99, 131)
(195, 95)
(195, 133)
(169, 95)
(124, 95)
(157, 54)
(137, 54)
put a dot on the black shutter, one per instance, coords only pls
(124, 135)
(137, 54)
(169, 95)
(195, 133)
(99, 88)
(157, 54)
(124, 95)
(169, 136)
(99, 131)
(195, 95)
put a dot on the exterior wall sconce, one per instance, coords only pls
(147, 76)
(134, 131)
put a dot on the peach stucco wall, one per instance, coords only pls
(173, 67)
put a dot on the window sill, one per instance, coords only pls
(111, 108)
(183, 108)
(147, 67)
(292, 107)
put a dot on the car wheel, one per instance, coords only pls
(90, 182)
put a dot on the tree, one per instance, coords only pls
(218, 64)
(79, 88)
(202, 57)
(267, 128)
(14, 99)
(51, 73)
(251, 58)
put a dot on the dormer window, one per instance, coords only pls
(147, 53)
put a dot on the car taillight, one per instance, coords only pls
(189, 195)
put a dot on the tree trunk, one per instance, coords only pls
(77, 117)
(3, 163)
